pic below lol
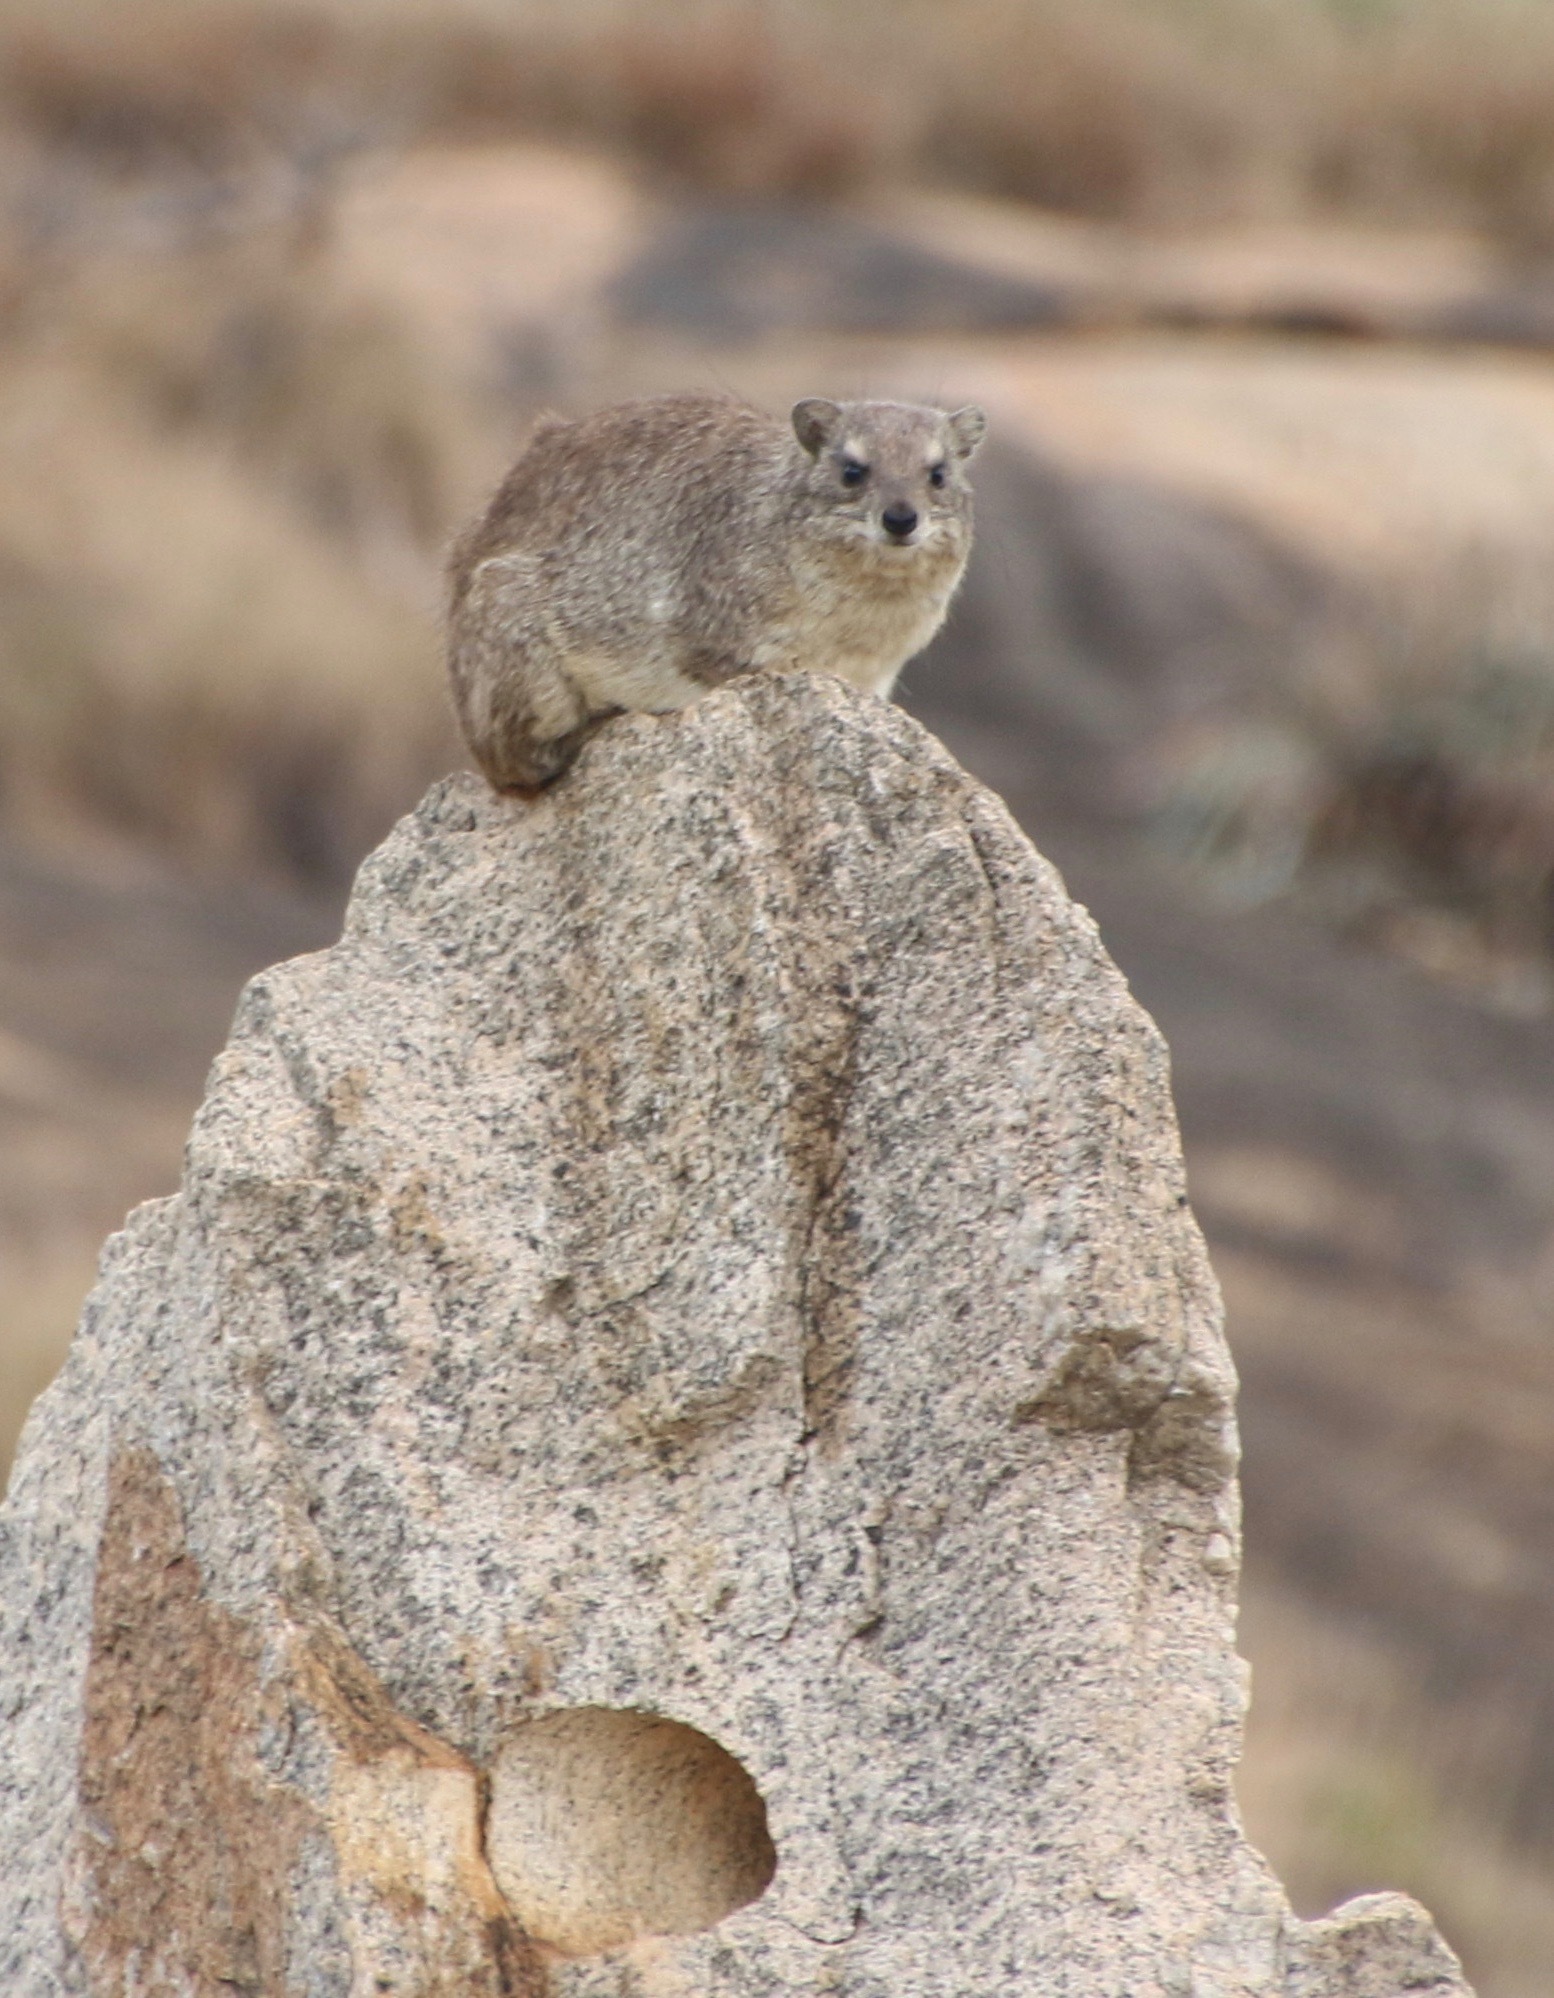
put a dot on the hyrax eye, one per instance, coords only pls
(936, 475)
(853, 474)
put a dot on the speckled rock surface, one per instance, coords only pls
(710, 1248)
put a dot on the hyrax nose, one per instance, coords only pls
(899, 520)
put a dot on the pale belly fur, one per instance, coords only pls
(646, 681)
(863, 619)
(860, 619)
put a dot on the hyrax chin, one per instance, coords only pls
(646, 554)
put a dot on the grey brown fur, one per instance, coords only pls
(645, 554)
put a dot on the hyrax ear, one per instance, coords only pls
(967, 428)
(815, 423)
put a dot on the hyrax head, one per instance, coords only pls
(893, 473)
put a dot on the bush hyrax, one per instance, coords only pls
(643, 555)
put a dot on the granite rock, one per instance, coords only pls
(676, 1439)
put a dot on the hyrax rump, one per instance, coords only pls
(645, 554)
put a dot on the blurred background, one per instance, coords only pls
(1258, 643)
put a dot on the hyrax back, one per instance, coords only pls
(645, 554)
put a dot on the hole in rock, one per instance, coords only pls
(606, 1825)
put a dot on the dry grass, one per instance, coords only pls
(251, 702)
(1133, 108)
(1449, 799)
(1421, 819)
(1335, 1791)
(227, 488)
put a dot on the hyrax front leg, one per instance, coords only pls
(523, 716)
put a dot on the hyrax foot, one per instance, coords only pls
(524, 770)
